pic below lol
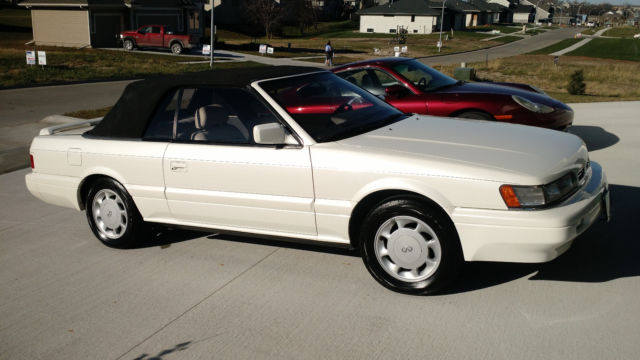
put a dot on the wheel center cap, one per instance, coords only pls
(406, 250)
(110, 214)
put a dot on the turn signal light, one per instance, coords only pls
(31, 160)
(509, 196)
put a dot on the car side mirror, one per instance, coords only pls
(272, 134)
(395, 91)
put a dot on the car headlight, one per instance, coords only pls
(518, 196)
(532, 106)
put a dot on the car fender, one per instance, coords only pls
(403, 185)
(98, 171)
(173, 41)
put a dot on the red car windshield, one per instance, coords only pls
(422, 76)
(329, 108)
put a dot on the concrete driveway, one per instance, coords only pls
(188, 295)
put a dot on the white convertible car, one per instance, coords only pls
(298, 153)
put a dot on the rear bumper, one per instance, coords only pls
(536, 235)
(54, 189)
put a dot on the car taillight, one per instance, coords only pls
(31, 160)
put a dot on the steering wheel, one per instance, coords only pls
(422, 83)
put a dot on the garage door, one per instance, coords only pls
(61, 27)
(107, 26)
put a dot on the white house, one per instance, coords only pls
(416, 16)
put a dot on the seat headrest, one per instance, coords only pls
(211, 115)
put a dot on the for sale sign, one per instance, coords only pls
(31, 57)
(42, 58)
(263, 49)
(206, 49)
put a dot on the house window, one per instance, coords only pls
(413, 18)
(369, 30)
(393, 31)
(415, 31)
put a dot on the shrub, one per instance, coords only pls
(576, 83)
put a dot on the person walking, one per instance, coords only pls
(328, 51)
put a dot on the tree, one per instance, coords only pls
(266, 13)
(300, 13)
(576, 83)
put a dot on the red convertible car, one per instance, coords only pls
(413, 87)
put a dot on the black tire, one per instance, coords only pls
(478, 115)
(425, 258)
(113, 216)
(127, 45)
(176, 48)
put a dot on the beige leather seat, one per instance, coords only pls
(212, 125)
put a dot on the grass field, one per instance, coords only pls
(607, 80)
(560, 45)
(619, 49)
(352, 45)
(623, 32)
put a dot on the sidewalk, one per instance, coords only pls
(580, 43)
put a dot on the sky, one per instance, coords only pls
(615, 2)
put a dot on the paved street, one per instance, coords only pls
(188, 295)
(523, 46)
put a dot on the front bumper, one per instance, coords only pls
(532, 235)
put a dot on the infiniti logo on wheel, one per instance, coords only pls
(407, 249)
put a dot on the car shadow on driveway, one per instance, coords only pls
(594, 137)
(605, 252)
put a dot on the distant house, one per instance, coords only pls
(539, 12)
(95, 23)
(416, 16)
(523, 14)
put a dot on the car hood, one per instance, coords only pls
(475, 149)
(501, 89)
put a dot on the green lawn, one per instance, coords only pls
(622, 32)
(619, 49)
(560, 45)
(507, 39)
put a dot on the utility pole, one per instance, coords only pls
(212, 34)
(441, 23)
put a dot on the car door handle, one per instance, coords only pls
(178, 166)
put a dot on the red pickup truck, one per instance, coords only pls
(158, 36)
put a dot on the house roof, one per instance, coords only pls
(495, 7)
(455, 5)
(527, 9)
(402, 7)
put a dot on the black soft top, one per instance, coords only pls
(129, 116)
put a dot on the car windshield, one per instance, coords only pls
(329, 108)
(422, 76)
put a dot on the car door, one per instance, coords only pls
(155, 37)
(216, 176)
(376, 81)
(407, 101)
(144, 39)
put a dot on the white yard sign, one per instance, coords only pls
(31, 57)
(42, 58)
